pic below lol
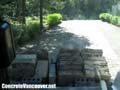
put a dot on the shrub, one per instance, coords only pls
(118, 21)
(31, 20)
(109, 18)
(24, 34)
(105, 17)
(32, 26)
(114, 20)
(54, 19)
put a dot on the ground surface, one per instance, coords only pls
(81, 34)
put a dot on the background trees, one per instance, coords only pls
(69, 8)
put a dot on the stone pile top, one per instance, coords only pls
(25, 58)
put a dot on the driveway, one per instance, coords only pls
(100, 35)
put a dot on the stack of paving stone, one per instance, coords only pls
(94, 62)
(23, 66)
(73, 66)
(27, 69)
(69, 67)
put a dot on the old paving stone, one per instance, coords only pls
(90, 73)
(100, 63)
(42, 70)
(67, 77)
(52, 74)
(23, 66)
(72, 66)
(64, 50)
(94, 58)
(42, 54)
(105, 75)
(91, 53)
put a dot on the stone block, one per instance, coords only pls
(70, 57)
(66, 53)
(23, 66)
(73, 61)
(52, 74)
(89, 71)
(76, 67)
(91, 53)
(93, 58)
(42, 54)
(66, 78)
(64, 50)
(98, 63)
(42, 70)
(105, 75)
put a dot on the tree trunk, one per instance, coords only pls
(41, 14)
(21, 10)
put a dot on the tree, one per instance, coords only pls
(21, 5)
(41, 14)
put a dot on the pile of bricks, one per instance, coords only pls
(95, 62)
(69, 67)
(74, 65)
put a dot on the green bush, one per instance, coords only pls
(105, 17)
(118, 22)
(26, 33)
(110, 18)
(54, 19)
(32, 26)
(114, 20)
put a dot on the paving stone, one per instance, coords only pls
(76, 61)
(42, 54)
(64, 50)
(41, 70)
(73, 66)
(90, 73)
(23, 66)
(100, 63)
(94, 58)
(70, 57)
(86, 82)
(91, 53)
(52, 74)
(25, 58)
(40, 76)
(64, 54)
(101, 66)
(105, 75)
(66, 78)
(91, 67)
(67, 53)
(70, 67)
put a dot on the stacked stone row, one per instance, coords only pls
(74, 65)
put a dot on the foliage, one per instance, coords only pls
(25, 33)
(110, 18)
(105, 17)
(32, 26)
(53, 19)
(114, 20)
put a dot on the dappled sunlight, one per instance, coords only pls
(61, 38)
